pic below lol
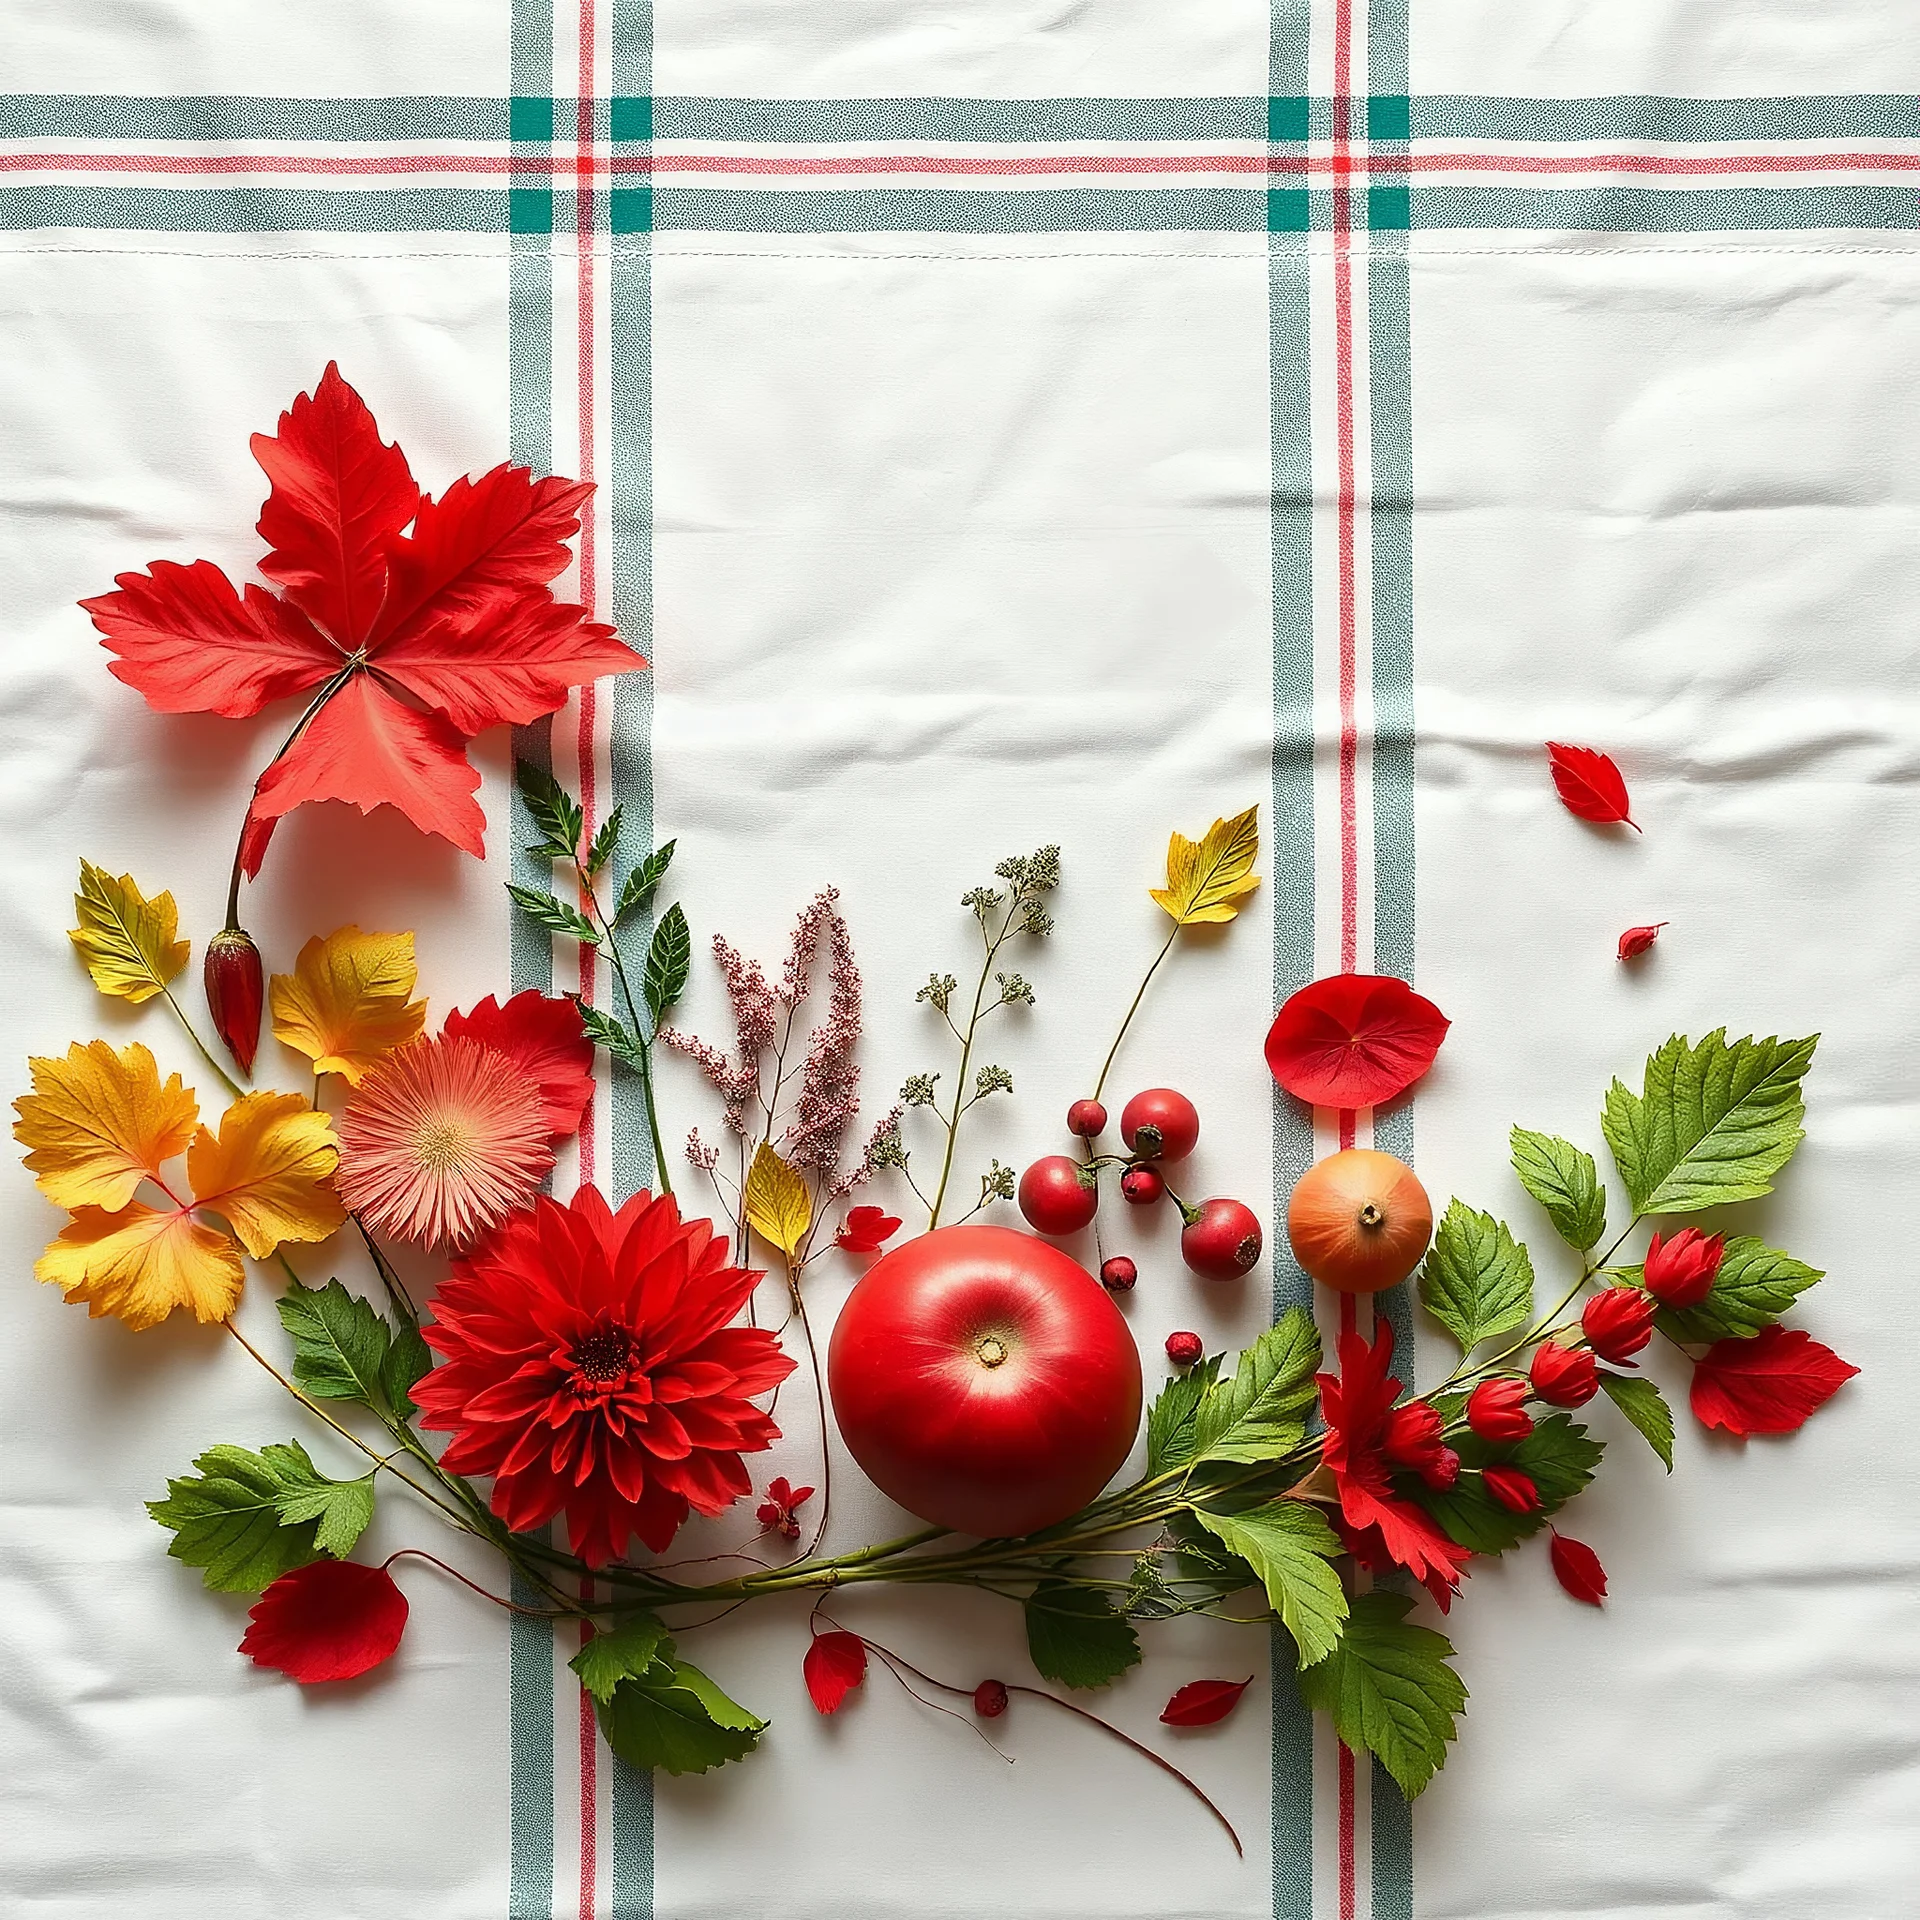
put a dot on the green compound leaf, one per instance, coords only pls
(1712, 1123)
(604, 842)
(1477, 1279)
(230, 1518)
(1076, 1638)
(1389, 1690)
(605, 1031)
(624, 1652)
(1643, 1404)
(644, 881)
(1566, 1182)
(674, 1718)
(1754, 1287)
(1560, 1455)
(1292, 1549)
(554, 915)
(1171, 1418)
(340, 1344)
(1249, 1418)
(669, 960)
(553, 811)
(409, 1360)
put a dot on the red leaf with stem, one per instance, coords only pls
(1589, 785)
(328, 1621)
(1354, 1040)
(1577, 1567)
(836, 1663)
(1773, 1382)
(1200, 1703)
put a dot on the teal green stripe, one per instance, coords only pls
(1664, 209)
(226, 117)
(947, 118)
(1864, 116)
(959, 210)
(226, 209)
(530, 1756)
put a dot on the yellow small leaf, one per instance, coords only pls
(1209, 881)
(142, 1262)
(100, 1122)
(778, 1207)
(127, 940)
(270, 1171)
(345, 1003)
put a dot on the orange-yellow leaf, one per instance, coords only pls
(1208, 880)
(270, 1171)
(128, 941)
(143, 1262)
(777, 1204)
(100, 1122)
(346, 1003)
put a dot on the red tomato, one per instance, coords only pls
(984, 1380)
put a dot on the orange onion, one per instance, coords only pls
(1359, 1221)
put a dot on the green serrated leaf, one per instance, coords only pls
(1248, 1418)
(1170, 1420)
(342, 1510)
(644, 880)
(1712, 1123)
(1564, 1179)
(1389, 1690)
(409, 1360)
(623, 1652)
(554, 915)
(553, 810)
(1643, 1404)
(1292, 1549)
(1477, 1279)
(605, 1031)
(1076, 1638)
(674, 1718)
(225, 1516)
(669, 960)
(604, 842)
(1559, 1454)
(340, 1344)
(1754, 1287)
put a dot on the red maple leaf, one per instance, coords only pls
(405, 644)
(328, 1621)
(1354, 1040)
(1589, 785)
(1773, 1382)
(836, 1663)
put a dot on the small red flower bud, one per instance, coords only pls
(1118, 1274)
(1183, 1349)
(1141, 1186)
(1087, 1118)
(1680, 1271)
(1513, 1489)
(235, 992)
(990, 1699)
(1562, 1377)
(1618, 1323)
(1496, 1410)
(1411, 1438)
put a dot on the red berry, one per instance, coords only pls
(1087, 1118)
(1183, 1349)
(1160, 1124)
(990, 1699)
(1118, 1274)
(1058, 1195)
(1141, 1186)
(1222, 1240)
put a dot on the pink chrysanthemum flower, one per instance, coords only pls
(441, 1141)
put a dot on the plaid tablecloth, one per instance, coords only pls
(1022, 421)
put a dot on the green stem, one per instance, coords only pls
(966, 1055)
(227, 1079)
(643, 1036)
(1106, 1066)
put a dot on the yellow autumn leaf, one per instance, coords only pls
(345, 1003)
(1209, 880)
(99, 1122)
(141, 1263)
(269, 1173)
(778, 1206)
(128, 941)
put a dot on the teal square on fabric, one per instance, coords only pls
(529, 210)
(632, 119)
(1288, 210)
(530, 119)
(630, 210)
(1287, 119)
(1390, 117)
(1389, 208)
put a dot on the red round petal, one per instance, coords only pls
(1354, 1040)
(1577, 1567)
(1201, 1702)
(1636, 940)
(329, 1621)
(836, 1663)
(545, 1038)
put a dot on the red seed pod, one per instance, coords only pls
(1183, 1349)
(235, 992)
(1118, 1274)
(1087, 1118)
(990, 1699)
(1141, 1187)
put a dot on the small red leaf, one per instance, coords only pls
(1354, 1040)
(1636, 940)
(1771, 1383)
(328, 1621)
(866, 1230)
(836, 1663)
(1589, 784)
(546, 1040)
(1577, 1567)
(1202, 1702)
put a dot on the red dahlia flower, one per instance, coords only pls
(590, 1367)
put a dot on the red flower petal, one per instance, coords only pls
(1636, 940)
(1202, 1702)
(866, 1230)
(1514, 1489)
(1577, 1567)
(329, 1621)
(1589, 784)
(1354, 1040)
(545, 1038)
(1771, 1383)
(836, 1663)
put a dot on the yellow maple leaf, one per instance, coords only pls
(1209, 880)
(345, 1003)
(99, 1122)
(142, 1262)
(128, 941)
(778, 1206)
(269, 1172)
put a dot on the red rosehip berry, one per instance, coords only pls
(1118, 1274)
(1141, 1187)
(1087, 1118)
(234, 992)
(1058, 1195)
(1221, 1239)
(1160, 1124)
(1183, 1349)
(1497, 1411)
(990, 1699)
